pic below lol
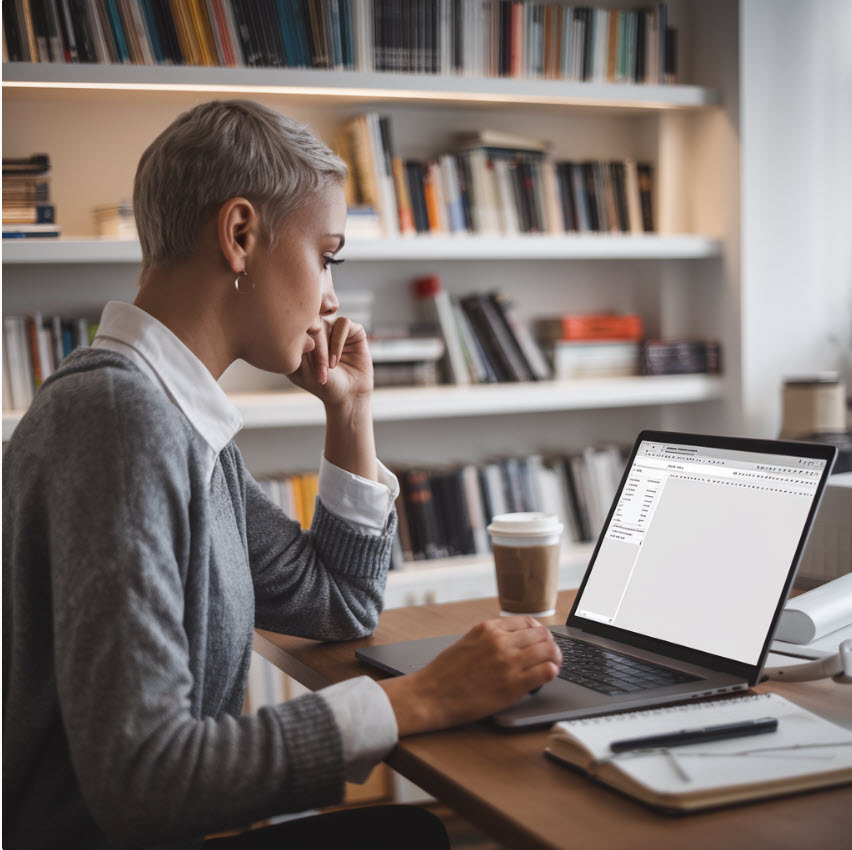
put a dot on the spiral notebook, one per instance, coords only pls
(805, 752)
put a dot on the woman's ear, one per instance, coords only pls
(237, 232)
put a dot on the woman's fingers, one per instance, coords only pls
(319, 356)
(338, 334)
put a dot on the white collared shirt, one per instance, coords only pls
(361, 708)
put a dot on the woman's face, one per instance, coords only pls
(292, 284)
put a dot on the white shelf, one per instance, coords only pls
(349, 85)
(571, 246)
(293, 408)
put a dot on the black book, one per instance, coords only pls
(13, 33)
(566, 196)
(494, 339)
(616, 170)
(522, 201)
(414, 172)
(671, 54)
(493, 307)
(345, 9)
(37, 163)
(643, 171)
(241, 24)
(577, 496)
(423, 520)
(591, 195)
(588, 17)
(464, 178)
(39, 19)
(82, 26)
(662, 26)
(168, 31)
(456, 34)
(641, 60)
(505, 51)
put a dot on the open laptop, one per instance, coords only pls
(686, 583)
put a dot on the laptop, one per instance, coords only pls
(686, 583)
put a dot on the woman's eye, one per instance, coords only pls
(328, 261)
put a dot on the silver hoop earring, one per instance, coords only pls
(239, 283)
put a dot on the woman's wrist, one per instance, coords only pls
(349, 440)
(414, 710)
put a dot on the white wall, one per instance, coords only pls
(796, 202)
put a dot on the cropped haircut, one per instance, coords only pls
(221, 150)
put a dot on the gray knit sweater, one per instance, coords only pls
(131, 588)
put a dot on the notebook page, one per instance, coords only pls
(719, 764)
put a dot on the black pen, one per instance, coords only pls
(698, 736)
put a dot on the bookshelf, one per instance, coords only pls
(95, 120)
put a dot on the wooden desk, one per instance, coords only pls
(502, 782)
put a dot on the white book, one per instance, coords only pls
(17, 353)
(631, 190)
(384, 178)
(476, 367)
(492, 477)
(805, 751)
(476, 510)
(554, 221)
(508, 213)
(484, 205)
(138, 23)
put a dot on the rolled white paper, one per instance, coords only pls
(816, 613)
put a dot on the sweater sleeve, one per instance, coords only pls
(148, 769)
(325, 583)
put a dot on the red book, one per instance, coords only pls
(590, 326)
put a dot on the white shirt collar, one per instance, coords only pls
(186, 380)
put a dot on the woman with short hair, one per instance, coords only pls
(139, 554)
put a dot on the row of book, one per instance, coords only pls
(27, 206)
(444, 511)
(517, 38)
(33, 347)
(492, 183)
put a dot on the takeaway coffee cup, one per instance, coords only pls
(526, 560)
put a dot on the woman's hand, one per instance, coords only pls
(339, 369)
(494, 665)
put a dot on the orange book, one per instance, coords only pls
(203, 37)
(403, 199)
(185, 32)
(307, 491)
(612, 47)
(589, 326)
(430, 193)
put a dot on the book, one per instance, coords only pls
(437, 309)
(589, 326)
(804, 753)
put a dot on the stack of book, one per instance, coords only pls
(485, 339)
(679, 357)
(511, 38)
(33, 346)
(593, 345)
(492, 183)
(406, 360)
(27, 208)
(115, 221)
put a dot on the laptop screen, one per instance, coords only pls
(699, 546)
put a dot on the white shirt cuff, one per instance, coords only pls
(366, 721)
(363, 504)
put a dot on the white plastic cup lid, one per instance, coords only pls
(525, 524)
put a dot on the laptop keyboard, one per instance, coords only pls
(611, 672)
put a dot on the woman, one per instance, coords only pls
(139, 554)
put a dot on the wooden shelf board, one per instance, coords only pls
(354, 85)
(578, 246)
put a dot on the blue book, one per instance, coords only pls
(117, 31)
(151, 27)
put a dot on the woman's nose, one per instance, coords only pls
(329, 304)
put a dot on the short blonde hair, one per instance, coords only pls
(217, 151)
